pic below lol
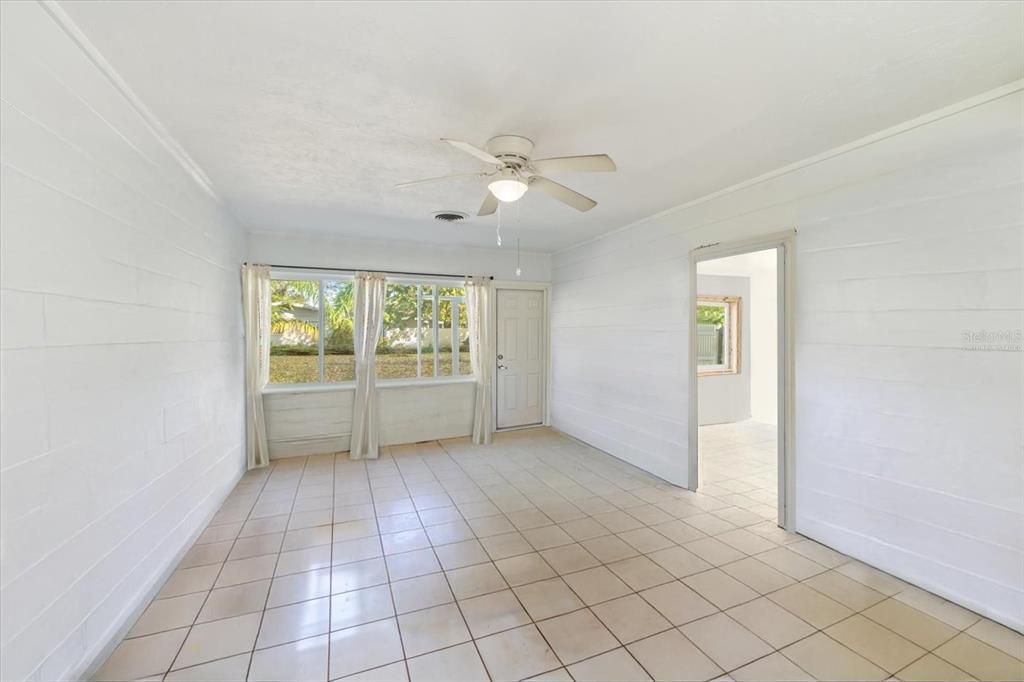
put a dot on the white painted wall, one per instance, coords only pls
(909, 445)
(305, 421)
(725, 398)
(764, 341)
(120, 354)
(760, 269)
(335, 251)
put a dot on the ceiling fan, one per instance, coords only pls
(514, 172)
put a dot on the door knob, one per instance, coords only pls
(500, 366)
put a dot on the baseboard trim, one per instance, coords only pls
(813, 531)
(166, 140)
(524, 427)
(137, 605)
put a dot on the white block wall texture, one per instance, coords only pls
(305, 422)
(120, 353)
(120, 346)
(764, 343)
(302, 422)
(725, 398)
(909, 446)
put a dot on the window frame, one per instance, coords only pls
(320, 276)
(732, 334)
(436, 297)
(454, 302)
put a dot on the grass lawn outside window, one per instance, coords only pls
(304, 369)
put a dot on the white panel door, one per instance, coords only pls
(520, 358)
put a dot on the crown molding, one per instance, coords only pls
(163, 136)
(884, 134)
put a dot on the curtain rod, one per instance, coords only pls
(387, 272)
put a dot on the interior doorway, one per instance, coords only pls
(741, 376)
(520, 358)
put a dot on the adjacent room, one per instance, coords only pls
(511, 341)
(737, 344)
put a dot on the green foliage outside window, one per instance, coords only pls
(295, 329)
(711, 314)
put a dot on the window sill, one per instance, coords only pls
(716, 373)
(307, 388)
(382, 384)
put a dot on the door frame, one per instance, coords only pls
(783, 242)
(545, 340)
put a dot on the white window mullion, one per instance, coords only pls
(455, 338)
(419, 330)
(437, 360)
(456, 303)
(320, 335)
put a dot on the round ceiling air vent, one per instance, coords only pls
(450, 216)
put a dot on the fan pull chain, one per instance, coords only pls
(498, 231)
(519, 270)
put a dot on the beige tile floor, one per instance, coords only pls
(537, 558)
(738, 465)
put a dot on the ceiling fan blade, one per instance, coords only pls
(439, 179)
(592, 163)
(562, 193)
(474, 151)
(490, 204)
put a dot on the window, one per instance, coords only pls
(339, 338)
(299, 353)
(425, 332)
(718, 335)
(398, 349)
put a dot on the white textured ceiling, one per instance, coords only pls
(304, 115)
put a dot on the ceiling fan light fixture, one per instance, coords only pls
(514, 171)
(508, 187)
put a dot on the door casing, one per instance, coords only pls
(783, 242)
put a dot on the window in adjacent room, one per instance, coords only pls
(718, 335)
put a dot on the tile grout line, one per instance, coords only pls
(536, 488)
(589, 607)
(827, 568)
(465, 622)
(330, 576)
(213, 585)
(534, 621)
(263, 613)
(387, 572)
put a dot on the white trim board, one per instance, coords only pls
(67, 24)
(783, 242)
(906, 126)
(138, 603)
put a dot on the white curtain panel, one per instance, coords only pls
(479, 294)
(369, 312)
(256, 314)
